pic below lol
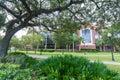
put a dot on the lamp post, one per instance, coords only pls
(41, 46)
(46, 41)
(73, 46)
(109, 36)
(84, 48)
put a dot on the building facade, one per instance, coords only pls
(89, 35)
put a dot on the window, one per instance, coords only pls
(86, 35)
(96, 35)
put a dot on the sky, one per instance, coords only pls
(20, 33)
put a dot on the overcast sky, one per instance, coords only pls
(20, 33)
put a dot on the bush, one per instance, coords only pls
(14, 57)
(70, 67)
(49, 50)
(19, 58)
(90, 50)
(13, 72)
(29, 62)
(16, 74)
(8, 66)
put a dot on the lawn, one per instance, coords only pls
(97, 56)
(114, 68)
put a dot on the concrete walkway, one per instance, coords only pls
(38, 56)
(45, 57)
(110, 62)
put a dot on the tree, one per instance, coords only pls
(79, 39)
(38, 40)
(61, 39)
(15, 42)
(47, 12)
(115, 31)
(100, 43)
(32, 40)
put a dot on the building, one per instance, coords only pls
(91, 36)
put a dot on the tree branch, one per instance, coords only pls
(95, 4)
(75, 16)
(48, 11)
(8, 10)
(9, 25)
(25, 5)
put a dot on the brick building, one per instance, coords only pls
(90, 36)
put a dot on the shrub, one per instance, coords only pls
(49, 50)
(8, 66)
(13, 72)
(19, 58)
(16, 74)
(14, 57)
(29, 62)
(70, 67)
(90, 50)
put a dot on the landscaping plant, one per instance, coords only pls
(70, 67)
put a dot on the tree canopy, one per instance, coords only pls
(54, 14)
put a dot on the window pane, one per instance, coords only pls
(96, 35)
(86, 35)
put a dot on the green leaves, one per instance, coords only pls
(61, 39)
(57, 3)
(70, 67)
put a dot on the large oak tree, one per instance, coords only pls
(47, 14)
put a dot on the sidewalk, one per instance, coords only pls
(45, 57)
(110, 62)
(38, 56)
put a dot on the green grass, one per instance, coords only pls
(103, 58)
(98, 56)
(114, 68)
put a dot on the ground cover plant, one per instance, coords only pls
(17, 66)
(19, 58)
(70, 67)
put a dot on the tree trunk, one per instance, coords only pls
(5, 42)
(38, 46)
(66, 47)
(79, 47)
(55, 47)
(35, 50)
